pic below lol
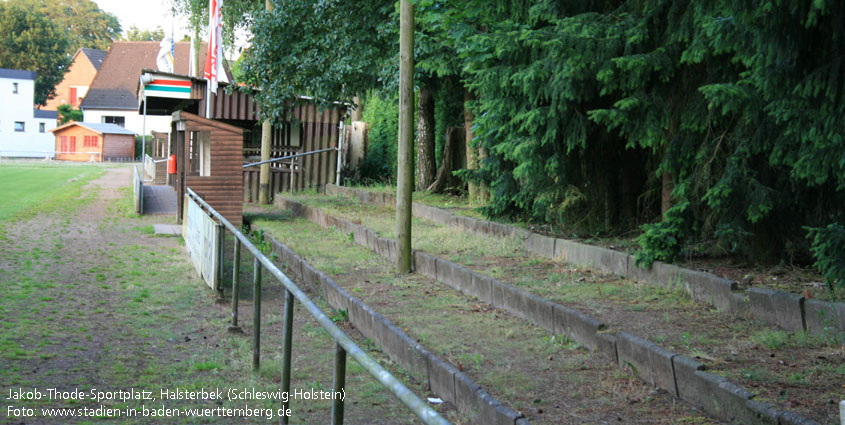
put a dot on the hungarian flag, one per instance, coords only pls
(214, 59)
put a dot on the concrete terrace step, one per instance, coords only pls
(798, 314)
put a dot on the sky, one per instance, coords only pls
(149, 14)
(145, 15)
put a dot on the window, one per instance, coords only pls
(15, 88)
(42, 127)
(73, 100)
(91, 141)
(20, 126)
(64, 144)
(72, 144)
(121, 121)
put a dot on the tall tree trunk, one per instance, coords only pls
(405, 175)
(666, 193)
(358, 111)
(426, 168)
(454, 155)
(266, 141)
(471, 151)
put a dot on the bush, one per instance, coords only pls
(381, 112)
(828, 246)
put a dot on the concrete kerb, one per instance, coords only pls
(482, 287)
(541, 245)
(442, 378)
(578, 326)
(633, 352)
(607, 346)
(789, 418)
(822, 317)
(761, 413)
(760, 304)
(467, 399)
(425, 264)
(789, 310)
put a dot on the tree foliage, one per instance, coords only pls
(584, 105)
(136, 34)
(82, 20)
(330, 50)
(595, 113)
(68, 113)
(29, 41)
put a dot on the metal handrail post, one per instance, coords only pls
(338, 385)
(236, 283)
(287, 344)
(256, 319)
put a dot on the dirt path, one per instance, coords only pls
(92, 300)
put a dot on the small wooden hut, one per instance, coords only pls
(82, 141)
(209, 160)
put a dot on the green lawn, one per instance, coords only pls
(29, 186)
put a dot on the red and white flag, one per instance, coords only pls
(214, 59)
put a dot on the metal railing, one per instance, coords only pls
(343, 344)
(138, 190)
(150, 166)
(48, 155)
(252, 164)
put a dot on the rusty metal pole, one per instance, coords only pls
(339, 384)
(287, 343)
(236, 284)
(256, 318)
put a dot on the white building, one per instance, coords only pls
(24, 130)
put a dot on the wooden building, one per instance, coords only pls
(82, 141)
(309, 129)
(209, 160)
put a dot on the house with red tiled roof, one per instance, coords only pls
(112, 97)
(77, 79)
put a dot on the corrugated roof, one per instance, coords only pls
(17, 73)
(95, 56)
(116, 82)
(37, 113)
(99, 128)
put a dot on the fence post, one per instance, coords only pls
(256, 318)
(287, 340)
(221, 238)
(339, 383)
(236, 285)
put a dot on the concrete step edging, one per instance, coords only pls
(810, 315)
